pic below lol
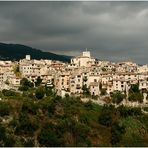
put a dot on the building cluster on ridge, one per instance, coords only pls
(69, 78)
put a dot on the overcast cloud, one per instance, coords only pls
(116, 31)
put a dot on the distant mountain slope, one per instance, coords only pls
(17, 51)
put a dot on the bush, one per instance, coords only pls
(128, 111)
(40, 92)
(30, 107)
(23, 88)
(49, 91)
(38, 81)
(89, 105)
(2, 132)
(117, 97)
(48, 136)
(86, 90)
(105, 117)
(26, 125)
(134, 88)
(8, 92)
(78, 131)
(103, 91)
(29, 143)
(117, 131)
(5, 109)
(25, 84)
(9, 141)
(136, 96)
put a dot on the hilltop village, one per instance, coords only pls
(84, 76)
(85, 102)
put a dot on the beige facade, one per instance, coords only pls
(83, 70)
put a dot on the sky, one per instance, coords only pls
(116, 31)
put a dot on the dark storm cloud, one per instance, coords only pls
(113, 30)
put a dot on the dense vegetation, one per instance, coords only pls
(19, 51)
(38, 117)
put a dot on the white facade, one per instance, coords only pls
(28, 57)
(83, 60)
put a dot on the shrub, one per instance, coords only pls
(136, 96)
(40, 92)
(26, 125)
(103, 91)
(5, 109)
(117, 97)
(105, 117)
(38, 81)
(128, 111)
(117, 131)
(25, 84)
(134, 88)
(30, 107)
(48, 136)
(8, 92)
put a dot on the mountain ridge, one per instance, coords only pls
(18, 51)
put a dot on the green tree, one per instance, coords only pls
(136, 96)
(40, 92)
(117, 97)
(9, 92)
(134, 88)
(25, 84)
(103, 91)
(16, 70)
(85, 90)
(38, 81)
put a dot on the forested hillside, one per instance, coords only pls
(17, 52)
(38, 117)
